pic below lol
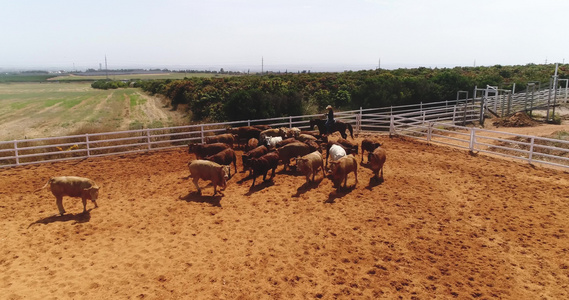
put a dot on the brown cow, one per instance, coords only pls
(227, 138)
(351, 148)
(292, 150)
(262, 127)
(376, 160)
(245, 133)
(263, 164)
(306, 137)
(274, 132)
(252, 143)
(285, 142)
(72, 186)
(209, 170)
(309, 164)
(203, 150)
(255, 153)
(225, 157)
(369, 144)
(341, 168)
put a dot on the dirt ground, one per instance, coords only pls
(444, 224)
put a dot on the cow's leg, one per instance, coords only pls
(214, 189)
(59, 202)
(84, 200)
(195, 181)
(95, 202)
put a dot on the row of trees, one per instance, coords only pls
(255, 97)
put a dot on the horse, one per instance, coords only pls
(337, 126)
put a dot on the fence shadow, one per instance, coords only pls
(78, 218)
(197, 198)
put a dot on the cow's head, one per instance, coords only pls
(302, 164)
(224, 176)
(92, 192)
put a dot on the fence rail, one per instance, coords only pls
(531, 149)
(33, 151)
(433, 122)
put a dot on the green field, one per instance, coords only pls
(135, 76)
(35, 110)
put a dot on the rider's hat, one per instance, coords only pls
(329, 107)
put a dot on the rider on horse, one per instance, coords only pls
(330, 118)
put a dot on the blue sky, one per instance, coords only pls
(309, 34)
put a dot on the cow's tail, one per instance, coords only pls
(351, 130)
(43, 187)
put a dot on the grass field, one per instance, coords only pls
(135, 76)
(35, 110)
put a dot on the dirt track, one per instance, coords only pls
(444, 224)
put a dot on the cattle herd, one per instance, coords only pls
(264, 149)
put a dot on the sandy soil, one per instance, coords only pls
(444, 224)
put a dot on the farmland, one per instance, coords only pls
(35, 110)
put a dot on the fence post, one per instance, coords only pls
(289, 121)
(202, 133)
(453, 114)
(248, 122)
(472, 139)
(148, 139)
(16, 152)
(360, 120)
(88, 145)
(392, 126)
(429, 131)
(531, 150)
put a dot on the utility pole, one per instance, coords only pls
(106, 69)
(262, 66)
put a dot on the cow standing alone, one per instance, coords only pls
(72, 186)
(209, 170)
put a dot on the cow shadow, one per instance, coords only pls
(82, 217)
(213, 200)
(373, 182)
(339, 193)
(260, 186)
(307, 186)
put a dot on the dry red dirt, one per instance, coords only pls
(443, 224)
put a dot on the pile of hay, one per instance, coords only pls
(519, 119)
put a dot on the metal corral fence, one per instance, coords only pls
(528, 148)
(32, 151)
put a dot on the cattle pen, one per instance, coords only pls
(441, 122)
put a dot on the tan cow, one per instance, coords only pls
(376, 159)
(309, 164)
(72, 186)
(341, 168)
(209, 170)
